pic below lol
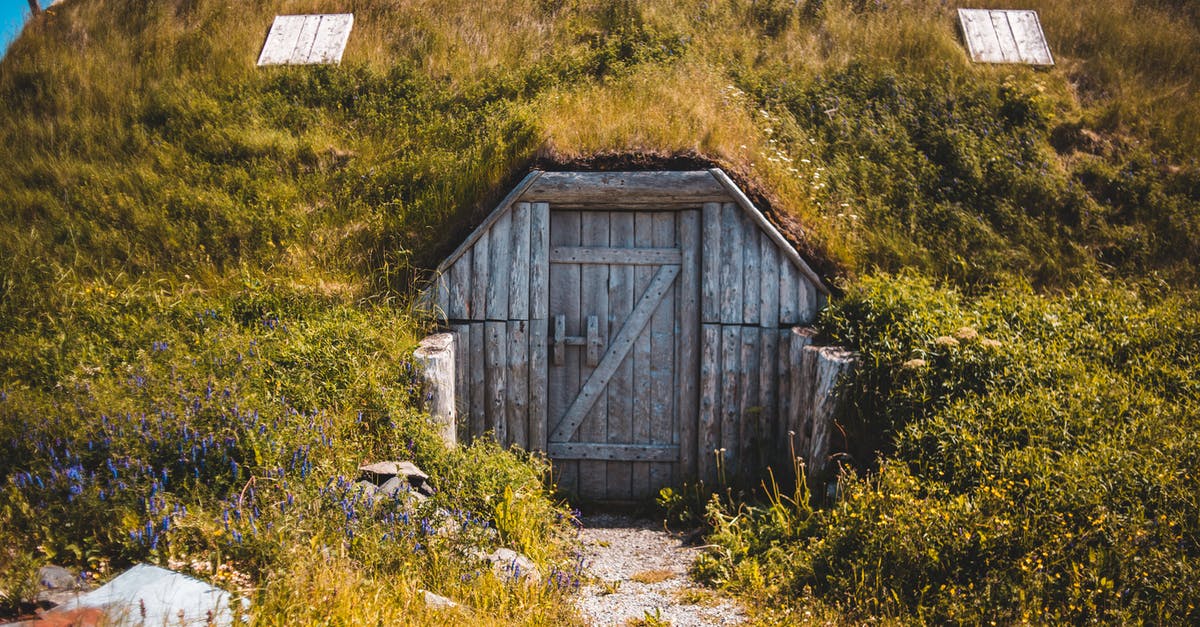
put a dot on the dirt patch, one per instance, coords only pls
(639, 571)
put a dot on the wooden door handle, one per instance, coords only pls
(562, 340)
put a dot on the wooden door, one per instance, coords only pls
(622, 367)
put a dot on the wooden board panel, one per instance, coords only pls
(1004, 36)
(630, 256)
(661, 454)
(330, 41)
(571, 189)
(643, 229)
(768, 294)
(768, 388)
(710, 255)
(564, 300)
(499, 268)
(663, 340)
(537, 384)
(731, 264)
(495, 362)
(730, 406)
(621, 297)
(462, 380)
(751, 271)
(709, 436)
(459, 287)
(304, 42)
(518, 251)
(1031, 41)
(783, 360)
(539, 298)
(281, 40)
(516, 383)
(750, 405)
(798, 401)
(593, 475)
(687, 362)
(480, 263)
(789, 301)
(478, 381)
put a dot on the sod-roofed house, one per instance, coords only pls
(638, 327)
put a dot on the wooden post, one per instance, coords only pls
(833, 365)
(435, 355)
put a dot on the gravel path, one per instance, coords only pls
(640, 572)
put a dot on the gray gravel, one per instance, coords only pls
(617, 548)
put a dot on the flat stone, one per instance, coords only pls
(57, 578)
(158, 597)
(392, 487)
(437, 601)
(509, 564)
(395, 469)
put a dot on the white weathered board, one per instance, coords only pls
(1005, 36)
(307, 39)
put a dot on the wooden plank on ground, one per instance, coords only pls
(496, 364)
(1004, 37)
(710, 255)
(687, 362)
(499, 269)
(709, 436)
(730, 407)
(478, 381)
(518, 251)
(664, 372)
(768, 294)
(617, 454)
(333, 33)
(304, 43)
(1031, 41)
(620, 388)
(480, 261)
(516, 383)
(731, 264)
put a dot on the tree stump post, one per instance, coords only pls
(435, 356)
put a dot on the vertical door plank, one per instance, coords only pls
(789, 303)
(441, 296)
(731, 353)
(480, 258)
(478, 382)
(593, 476)
(800, 383)
(499, 268)
(731, 264)
(460, 288)
(564, 380)
(496, 363)
(663, 370)
(643, 235)
(709, 437)
(518, 283)
(768, 387)
(710, 274)
(462, 380)
(783, 393)
(516, 383)
(751, 254)
(539, 295)
(768, 295)
(750, 405)
(621, 298)
(688, 342)
(806, 299)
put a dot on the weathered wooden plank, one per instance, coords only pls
(710, 272)
(617, 350)
(625, 453)
(616, 255)
(643, 236)
(516, 383)
(620, 388)
(789, 303)
(799, 399)
(329, 43)
(750, 404)
(518, 283)
(1031, 41)
(281, 40)
(593, 476)
(478, 381)
(462, 379)
(731, 264)
(768, 294)
(806, 300)
(730, 407)
(709, 430)
(481, 258)
(687, 362)
(751, 271)
(496, 361)
(804, 398)
(783, 360)
(482, 229)
(833, 365)
(441, 297)
(539, 264)
(980, 35)
(564, 304)
(1004, 37)
(752, 212)
(304, 42)
(459, 288)
(768, 389)
(663, 347)
(499, 268)
(537, 384)
(608, 188)
(436, 356)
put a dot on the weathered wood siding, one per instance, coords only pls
(732, 386)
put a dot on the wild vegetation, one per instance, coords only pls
(198, 252)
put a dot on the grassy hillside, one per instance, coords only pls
(158, 190)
